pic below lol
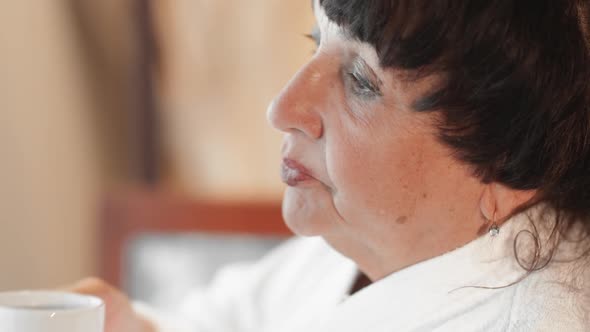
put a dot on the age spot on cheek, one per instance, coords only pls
(401, 220)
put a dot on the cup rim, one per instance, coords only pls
(83, 302)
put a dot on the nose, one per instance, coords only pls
(297, 107)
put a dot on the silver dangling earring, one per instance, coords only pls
(494, 229)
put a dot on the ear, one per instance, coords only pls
(498, 202)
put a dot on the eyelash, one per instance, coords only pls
(361, 86)
(316, 42)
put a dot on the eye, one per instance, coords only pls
(361, 79)
(361, 86)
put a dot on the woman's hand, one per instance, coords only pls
(120, 316)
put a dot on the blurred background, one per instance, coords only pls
(133, 139)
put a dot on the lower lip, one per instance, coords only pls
(293, 176)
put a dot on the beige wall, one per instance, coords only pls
(223, 62)
(61, 139)
(48, 162)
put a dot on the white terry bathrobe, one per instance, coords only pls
(303, 286)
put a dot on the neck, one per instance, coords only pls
(379, 256)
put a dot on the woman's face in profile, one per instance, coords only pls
(357, 160)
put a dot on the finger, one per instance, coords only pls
(91, 285)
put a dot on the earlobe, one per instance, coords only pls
(487, 203)
(498, 202)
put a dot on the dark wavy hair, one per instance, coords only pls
(514, 90)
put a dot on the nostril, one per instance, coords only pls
(285, 115)
(314, 128)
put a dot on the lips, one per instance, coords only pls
(293, 173)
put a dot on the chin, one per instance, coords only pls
(303, 213)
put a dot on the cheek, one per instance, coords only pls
(378, 181)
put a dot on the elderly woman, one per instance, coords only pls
(441, 152)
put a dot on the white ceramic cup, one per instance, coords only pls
(49, 311)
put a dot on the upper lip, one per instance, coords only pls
(295, 165)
